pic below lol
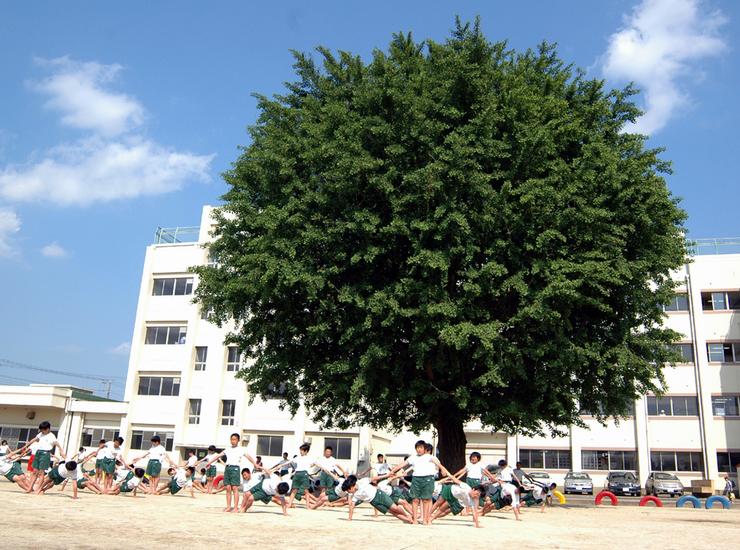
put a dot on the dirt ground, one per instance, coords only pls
(57, 521)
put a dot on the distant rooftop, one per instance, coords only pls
(176, 235)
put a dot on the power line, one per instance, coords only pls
(106, 381)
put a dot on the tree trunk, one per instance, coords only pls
(451, 442)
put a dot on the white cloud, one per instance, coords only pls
(658, 49)
(53, 250)
(98, 170)
(10, 224)
(79, 91)
(121, 349)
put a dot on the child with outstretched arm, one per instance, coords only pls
(363, 490)
(232, 478)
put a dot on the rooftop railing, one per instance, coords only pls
(174, 235)
(723, 245)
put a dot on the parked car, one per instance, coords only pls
(542, 477)
(578, 482)
(623, 483)
(663, 483)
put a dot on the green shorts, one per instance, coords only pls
(472, 481)
(232, 477)
(382, 502)
(446, 493)
(259, 494)
(41, 460)
(98, 463)
(125, 487)
(108, 465)
(211, 471)
(398, 494)
(332, 495)
(301, 481)
(325, 480)
(422, 487)
(81, 483)
(15, 470)
(174, 487)
(55, 477)
(153, 468)
(529, 500)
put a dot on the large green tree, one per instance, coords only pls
(447, 232)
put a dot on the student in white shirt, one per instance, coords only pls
(363, 490)
(302, 464)
(425, 467)
(130, 482)
(211, 458)
(4, 448)
(456, 499)
(110, 453)
(381, 467)
(232, 478)
(329, 466)
(45, 443)
(83, 480)
(332, 497)
(248, 481)
(157, 454)
(59, 473)
(180, 478)
(271, 488)
(11, 469)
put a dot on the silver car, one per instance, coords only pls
(578, 482)
(663, 483)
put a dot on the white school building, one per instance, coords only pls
(181, 385)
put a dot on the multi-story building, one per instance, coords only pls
(181, 385)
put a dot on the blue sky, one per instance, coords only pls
(117, 118)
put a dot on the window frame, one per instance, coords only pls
(147, 381)
(194, 417)
(165, 335)
(271, 442)
(199, 364)
(339, 447)
(677, 303)
(233, 366)
(727, 358)
(172, 286)
(228, 420)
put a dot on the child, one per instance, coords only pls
(301, 480)
(284, 465)
(329, 466)
(537, 494)
(201, 483)
(456, 498)
(45, 443)
(233, 454)
(157, 454)
(474, 470)
(109, 455)
(381, 467)
(424, 467)
(364, 491)
(99, 476)
(11, 469)
(180, 478)
(271, 488)
(4, 449)
(83, 481)
(494, 498)
(332, 497)
(58, 474)
(248, 481)
(211, 470)
(130, 483)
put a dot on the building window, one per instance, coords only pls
(201, 354)
(270, 445)
(673, 405)
(679, 302)
(609, 460)
(724, 353)
(159, 385)
(170, 335)
(228, 412)
(91, 436)
(17, 437)
(341, 447)
(727, 461)
(173, 286)
(233, 359)
(675, 461)
(194, 411)
(141, 439)
(686, 351)
(545, 458)
(718, 301)
(726, 406)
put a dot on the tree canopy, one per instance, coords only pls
(447, 232)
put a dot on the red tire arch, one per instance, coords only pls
(650, 498)
(218, 480)
(606, 494)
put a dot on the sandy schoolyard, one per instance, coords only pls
(57, 521)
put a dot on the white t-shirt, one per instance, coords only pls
(328, 463)
(382, 468)
(192, 461)
(365, 491)
(133, 482)
(385, 486)
(5, 465)
(121, 474)
(506, 474)
(157, 452)
(66, 474)
(338, 489)
(249, 483)
(182, 479)
(475, 471)
(462, 494)
(113, 451)
(209, 457)
(234, 455)
(46, 442)
(303, 463)
(538, 493)
(437, 489)
(509, 489)
(270, 484)
(423, 465)
(4, 449)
